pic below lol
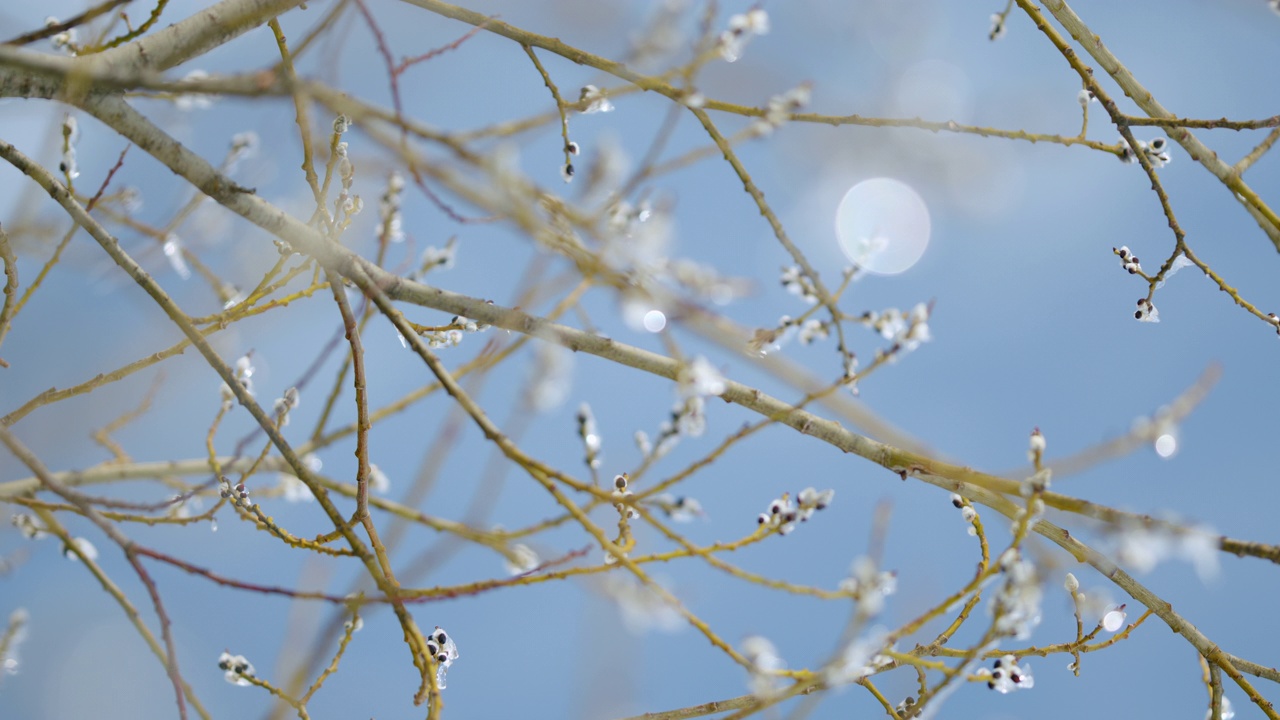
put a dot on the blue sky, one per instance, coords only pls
(1032, 326)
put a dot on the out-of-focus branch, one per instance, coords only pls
(413, 636)
(1198, 151)
(37, 467)
(83, 18)
(10, 286)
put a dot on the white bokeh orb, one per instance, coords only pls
(883, 226)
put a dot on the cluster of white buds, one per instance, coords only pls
(860, 658)
(1227, 712)
(784, 513)
(1156, 150)
(440, 646)
(130, 200)
(236, 669)
(65, 40)
(638, 241)
(30, 527)
(284, 404)
(797, 283)
(1017, 606)
(1036, 485)
(767, 340)
(80, 547)
(851, 371)
(966, 511)
(378, 480)
(244, 375)
(906, 330)
(440, 339)
(608, 169)
(237, 494)
(390, 221)
(172, 249)
(1146, 311)
(341, 124)
(70, 136)
(1033, 489)
(668, 436)
(550, 377)
(437, 258)
(1007, 675)
(349, 204)
(521, 559)
(188, 101)
(623, 497)
(643, 606)
(686, 418)
(466, 324)
(292, 488)
(680, 509)
(703, 280)
(869, 585)
(765, 664)
(699, 378)
(624, 217)
(813, 330)
(450, 335)
(811, 500)
(244, 366)
(1140, 547)
(590, 435)
(1035, 447)
(997, 27)
(1113, 619)
(693, 99)
(244, 145)
(1085, 96)
(696, 381)
(643, 443)
(15, 634)
(742, 27)
(1128, 260)
(781, 107)
(907, 708)
(595, 99)
(184, 505)
(567, 171)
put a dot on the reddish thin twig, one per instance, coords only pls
(405, 63)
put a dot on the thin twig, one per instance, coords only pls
(83, 18)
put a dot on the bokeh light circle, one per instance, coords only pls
(882, 226)
(654, 321)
